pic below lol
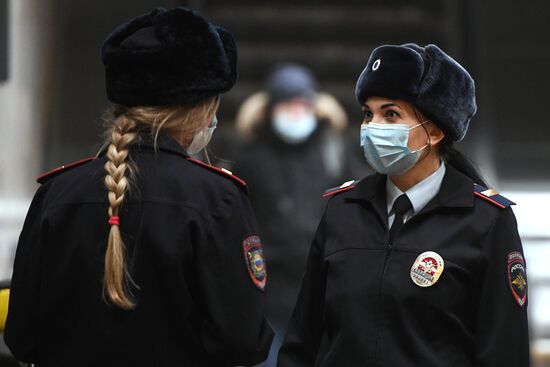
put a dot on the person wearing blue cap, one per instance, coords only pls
(142, 255)
(419, 264)
(294, 150)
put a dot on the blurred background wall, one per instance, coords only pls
(52, 91)
(52, 78)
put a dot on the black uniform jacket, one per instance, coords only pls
(286, 181)
(358, 296)
(185, 228)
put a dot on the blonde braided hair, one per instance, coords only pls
(115, 281)
(182, 123)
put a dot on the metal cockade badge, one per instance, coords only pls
(376, 65)
(427, 269)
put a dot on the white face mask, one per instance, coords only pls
(386, 147)
(294, 130)
(202, 138)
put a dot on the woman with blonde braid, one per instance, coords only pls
(116, 182)
(143, 256)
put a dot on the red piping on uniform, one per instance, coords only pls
(489, 199)
(64, 167)
(337, 191)
(217, 169)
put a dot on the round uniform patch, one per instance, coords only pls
(376, 65)
(254, 258)
(427, 269)
(517, 278)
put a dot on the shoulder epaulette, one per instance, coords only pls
(492, 196)
(223, 171)
(54, 172)
(348, 185)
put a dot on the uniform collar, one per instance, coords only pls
(457, 190)
(164, 143)
(420, 194)
(371, 189)
(368, 188)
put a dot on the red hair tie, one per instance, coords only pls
(114, 220)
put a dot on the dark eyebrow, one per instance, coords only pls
(387, 105)
(366, 107)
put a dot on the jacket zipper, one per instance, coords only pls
(389, 250)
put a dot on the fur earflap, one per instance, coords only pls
(168, 57)
(426, 77)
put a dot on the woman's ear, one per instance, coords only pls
(435, 133)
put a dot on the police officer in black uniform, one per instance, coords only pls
(143, 256)
(419, 264)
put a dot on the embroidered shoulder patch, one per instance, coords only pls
(255, 263)
(348, 185)
(492, 196)
(54, 172)
(517, 278)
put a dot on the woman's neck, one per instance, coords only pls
(425, 167)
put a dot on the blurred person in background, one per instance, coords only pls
(294, 150)
(419, 264)
(143, 256)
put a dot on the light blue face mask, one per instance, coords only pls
(294, 130)
(202, 138)
(386, 147)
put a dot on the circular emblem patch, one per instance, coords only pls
(376, 65)
(516, 277)
(427, 269)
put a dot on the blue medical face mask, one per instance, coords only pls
(202, 138)
(386, 147)
(294, 130)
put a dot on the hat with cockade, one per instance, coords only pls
(426, 77)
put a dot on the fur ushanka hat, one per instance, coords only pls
(427, 78)
(168, 57)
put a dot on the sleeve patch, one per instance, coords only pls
(255, 263)
(517, 278)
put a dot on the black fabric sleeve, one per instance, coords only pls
(306, 327)
(234, 330)
(502, 337)
(22, 324)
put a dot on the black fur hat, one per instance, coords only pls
(168, 57)
(426, 77)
